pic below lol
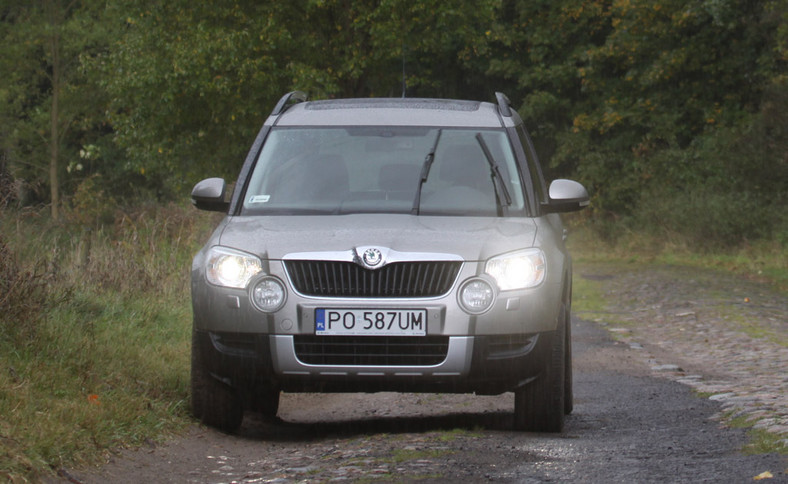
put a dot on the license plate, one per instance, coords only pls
(371, 322)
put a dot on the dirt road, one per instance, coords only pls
(627, 426)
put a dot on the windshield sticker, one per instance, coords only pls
(260, 199)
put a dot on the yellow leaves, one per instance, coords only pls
(601, 124)
(582, 122)
(575, 13)
(610, 119)
(648, 105)
(763, 475)
(712, 117)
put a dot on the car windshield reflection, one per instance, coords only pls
(304, 171)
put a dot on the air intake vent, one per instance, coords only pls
(396, 280)
(371, 350)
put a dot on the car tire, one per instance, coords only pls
(214, 403)
(569, 401)
(539, 406)
(266, 401)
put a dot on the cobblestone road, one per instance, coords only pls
(724, 336)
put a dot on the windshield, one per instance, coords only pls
(381, 170)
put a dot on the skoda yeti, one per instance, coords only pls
(407, 245)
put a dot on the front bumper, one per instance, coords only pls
(472, 364)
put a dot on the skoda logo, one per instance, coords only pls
(372, 257)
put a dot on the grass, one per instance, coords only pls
(760, 441)
(96, 356)
(763, 261)
(406, 455)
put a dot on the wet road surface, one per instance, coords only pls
(628, 426)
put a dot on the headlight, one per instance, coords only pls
(517, 270)
(231, 268)
(476, 296)
(268, 294)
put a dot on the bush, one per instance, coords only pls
(23, 296)
(727, 189)
(705, 219)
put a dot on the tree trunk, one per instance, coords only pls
(54, 154)
(55, 21)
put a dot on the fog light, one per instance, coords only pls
(476, 296)
(268, 294)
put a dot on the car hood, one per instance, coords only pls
(472, 238)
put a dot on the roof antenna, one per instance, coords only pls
(404, 83)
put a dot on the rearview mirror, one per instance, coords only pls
(209, 194)
(566, 196)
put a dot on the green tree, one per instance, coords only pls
(626, 94)
(43, 89)
(392, 48)
(539, 50)
(191, 83)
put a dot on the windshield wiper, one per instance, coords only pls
(495, 173)
(425, 172)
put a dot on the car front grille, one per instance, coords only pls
(371, 350)
(395, 280)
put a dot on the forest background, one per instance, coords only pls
(674, 115)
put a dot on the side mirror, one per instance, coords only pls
(209, 195)
(566, 196)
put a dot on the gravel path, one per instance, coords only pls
(724, 336)
(628, 426)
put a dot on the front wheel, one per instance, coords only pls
(540, 406)
(214, 403)
(265, 401)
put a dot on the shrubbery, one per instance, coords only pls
(726, 189)
(95, 321)
(23, 296)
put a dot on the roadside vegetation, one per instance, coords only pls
(764, 260)
(673, 114)
(94, 331)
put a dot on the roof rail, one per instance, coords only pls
(504, 105)
(294, 96)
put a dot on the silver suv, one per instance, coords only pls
(370, 245)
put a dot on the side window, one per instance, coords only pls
(534, 168)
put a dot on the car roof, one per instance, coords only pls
(392, 112)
